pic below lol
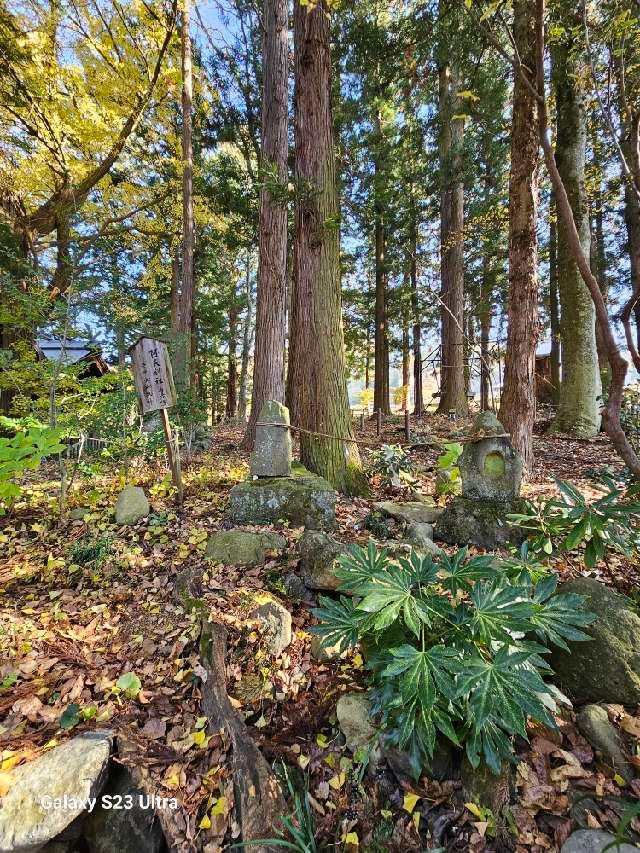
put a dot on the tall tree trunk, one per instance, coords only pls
(452, 396)
(416, 329)
(231, 407)
(578, 408)
(486, 311)
(405, 339)
(271, 305)
(380, 393)
(518, 400)
(247, 327)
(175, 289)
(317, 371)
(184, 322)
(554, 305)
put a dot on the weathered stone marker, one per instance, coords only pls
(491, 475)
(490, 469)
(271, 456)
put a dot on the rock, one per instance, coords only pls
(242, 548)
(593, 722)
(304, 500)
(355, 724)
(324, 654)
(594, 841)
(481, 523)
(132, 505)
(126, 830)
(319, 554)
(399, 548)
(78, 513)
(276, 624)
(420, 535)
(76, 768)
(271, 455)
(490, 469)
(295, 587)
(607, 668)
(411, 512)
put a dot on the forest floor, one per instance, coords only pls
(74, 619)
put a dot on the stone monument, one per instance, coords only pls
(271, 455)
(278, 489)
(491, 475)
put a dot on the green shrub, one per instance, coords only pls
(570, 522)
(448, 482)
(456, 648)
(23, 451)
(393, 464)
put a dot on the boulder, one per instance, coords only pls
(295, 587)
(304, 500)
(410, 512)
(594, 724)
(319, 554)
(594, 841)
(607, 668)
(34, 810)
(242, 548)
(276, 624)
(133, 829)
(132, 505)
(482, 523)
(420, 537)
(271, 455)
(355, 724)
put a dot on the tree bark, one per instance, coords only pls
(268, 369)
(231, 408)
(518, 400)
(185, 310)
(578, 409)
(416, 329)
(405, 339)
(380, 392)
(317, 372)
(554, 307)
(486, 311)
(247, 327)
(452, 386)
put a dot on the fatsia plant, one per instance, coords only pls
(604, 524)
(454, 646)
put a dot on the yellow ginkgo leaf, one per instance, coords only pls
(351, 838)
(6, 781)
(410, 801)
(205, 823)
(219, 806)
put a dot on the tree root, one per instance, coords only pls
(259, 803)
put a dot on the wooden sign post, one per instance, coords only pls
(157, 393)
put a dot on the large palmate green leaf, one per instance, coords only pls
(341, 623)
(423, 674)
(504, 690)
(357, 567)
(498, 610)
(399, 593)
(559, 617)
(458, 574)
